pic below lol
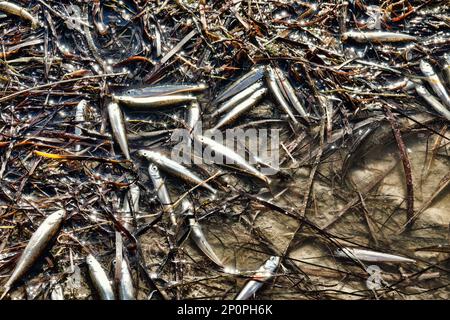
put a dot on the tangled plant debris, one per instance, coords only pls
(353, 95)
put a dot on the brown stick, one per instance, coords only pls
(445, 181)
(406, 166)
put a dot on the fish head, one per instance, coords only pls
(199, 138)
(153, 171)
(343, 252)
(344, 36)
(272, 263)
(90, 259)
(61, 213)
(426, 68)
(420, 89)
(269, 72)
(145, 153)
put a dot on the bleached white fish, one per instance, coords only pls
(369, 255)
(100, 279)
(162, 192)
(125, 285)
(377, 36)
(264, 273)
(35, 247)
(435, 83)
(174, 168)
(118, 127)
(154, 101)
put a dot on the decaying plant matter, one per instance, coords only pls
(93, 207)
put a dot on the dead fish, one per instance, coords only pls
(237, 98)
(435, 83)
(174, 168)
(289, 92)
(241, 83)
(79, 119)
(99, 279)
(125, 286)
(154, 101)
(162, 192)
(232, 157)
(36, 246)
(57, 292)
(193, 116)
(403, 84)
(241, 108)
(157, 41)
(16, 10)
(199, 238)
(264, 273)
(164, 90)
(277, 94)
(118, 127)
(432, 101)
(132, 196)
(377, 36)
(369, 255)
(197, 235)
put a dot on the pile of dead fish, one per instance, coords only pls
(322, 83)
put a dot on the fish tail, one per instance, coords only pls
(272, 184)
(6, 289)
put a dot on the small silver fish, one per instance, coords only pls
(125, 285)
(277, 94)
(36, 246)
(199, 238)
(432, 101)
(241, 108)
(237, 98)
(264, 273)
(193, 117)
(174, 168)
(241, 83)
(157, 41)
(99, 279)
(289, 92)
(370, 256)
(162, 192)
(435, 83)
(197, 235)
(154, 101)
(377, 36)
(118, 127)
(232, 157)
(152, 91)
